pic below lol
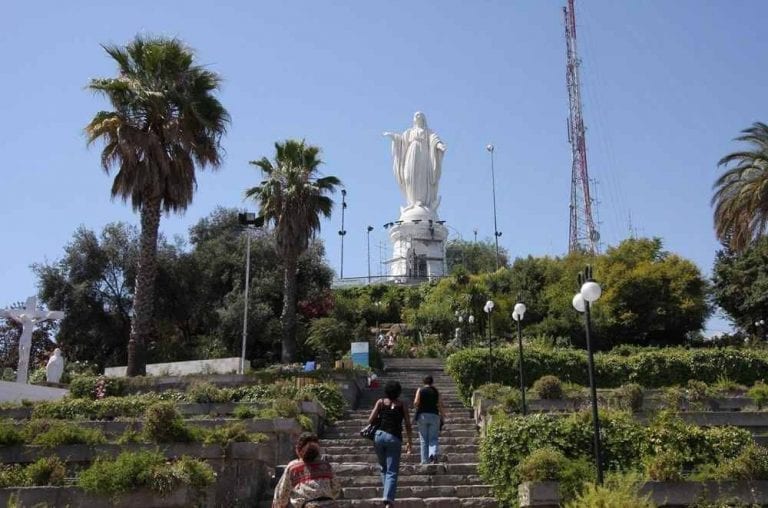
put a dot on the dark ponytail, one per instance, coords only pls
(307, 447)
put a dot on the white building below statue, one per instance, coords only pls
(418, 250)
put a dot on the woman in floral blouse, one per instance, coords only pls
(308, 482)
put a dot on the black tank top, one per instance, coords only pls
(428, 397)
(392, 419)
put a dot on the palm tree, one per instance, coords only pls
(741, 193)
(166, 123)
(293, 198)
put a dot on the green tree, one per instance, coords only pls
(293, 197)
(93, 284)
(474, 257)
(741, 199)
(166, 123)
(740, 284)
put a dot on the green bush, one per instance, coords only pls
(507, 397)
(666, 466)
(131, 471)
(13, 475)
(88, 387)
(232, 433)
(54, 433)
(548, 464)
(46, 471)
(750, 464)
(627, 444)
(9, 434)
(630, 396)
(548, 387)
(207, 393)
(759, 394)
(244, 412)
(164, 424)
(650, 367)
(329, 396)
(102, 409)
(618, 492)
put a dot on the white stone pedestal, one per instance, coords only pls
(418, 250)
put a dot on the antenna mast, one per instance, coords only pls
(582, 233)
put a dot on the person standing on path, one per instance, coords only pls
(391, 413)
(429, 419)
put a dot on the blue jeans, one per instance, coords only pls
(388, 449)
(429, 428)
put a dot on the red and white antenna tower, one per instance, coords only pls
(582, 234)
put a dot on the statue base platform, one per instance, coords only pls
(418, 250)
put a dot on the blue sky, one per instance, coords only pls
(666, 85)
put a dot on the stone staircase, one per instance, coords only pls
(453, 482)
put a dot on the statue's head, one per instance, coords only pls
(420, 120)
(57, 352)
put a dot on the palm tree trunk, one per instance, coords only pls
(289, 310)
(144, 299)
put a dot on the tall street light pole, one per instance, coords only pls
(247, 219)
(488, 310)
(342, 231)
(496, 232)
(370, 228)
(589, 293)
(517, 315)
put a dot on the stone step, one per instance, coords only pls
(362, 441)
(422, 479)
(419, 491)
(454, 419)
(371, 468)
(357, 456)
(435, 502)
(447, 449)
(355, 426)
(350, 433)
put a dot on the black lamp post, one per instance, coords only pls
(590, 292)
(342, 231)
(496, 232)
(247, 220)
(517, 315)
(370, 228)
(488, 309)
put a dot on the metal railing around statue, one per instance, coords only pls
(384, 279)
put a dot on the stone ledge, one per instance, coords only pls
(547, 494)
(74, 497)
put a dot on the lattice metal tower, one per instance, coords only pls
(582, 233)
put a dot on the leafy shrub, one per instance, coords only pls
(131, 471)
(207, 393)
(618, 492)
(750, 464)
(548, 387)
(103, 409)
(666, 466)
(53, 433)
(130, 436)
(507, 397)
(232, 433)
(9, 434)
(548, 464)
(329, 396)
(85, 387)
(306, 423)
(13, 475)
(38, 376)
(759, 394)
(666, 447)
(631, 396)
(649, 367)
(46, 471)
(244, 412)
(163, 424)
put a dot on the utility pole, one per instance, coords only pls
(582, 233)
(496, 232)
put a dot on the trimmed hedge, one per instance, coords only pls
(626, 443)
(649, 367)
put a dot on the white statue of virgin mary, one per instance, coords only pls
(417, 162)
